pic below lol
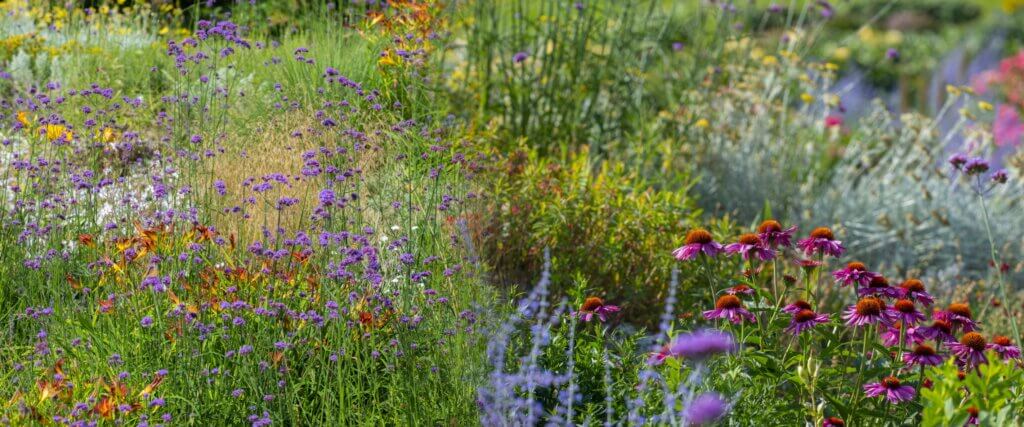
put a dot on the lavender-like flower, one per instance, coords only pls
(700, 345)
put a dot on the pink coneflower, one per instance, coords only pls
(923, 355)
(891, 335)
(855, 273)
(913, 289)
(805, 319)
(821, 241)
(833, 121)
(796, 306)
(833, 422)
(698, 241)
(868, 311)
(657, 358)
(879, 286)
(891, 388)
(750, 246)
(940, 331)
(905, 311)
(772, 234)
(594, 306)
(972, 415)
(729, 307)
(970, 351)
(1004, 347)
(959, 316)
(740, 289)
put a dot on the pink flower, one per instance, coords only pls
(905, 311)
(698, 241)
(891, 388)
(923, 355)
(821, 241)
(805, 319)
(729, 307)
(796, 306)
(891, 335)
(1007, 127)
(594, 306)
(855, 273)
(868, 311)
(970, 351)
(750, 246)
(913, 289)
(1004, 347)
(959, 316)
(833, 121)
(772, 233)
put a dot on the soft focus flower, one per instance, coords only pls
(959, 316)
(958, 161)
(773, 235)
(805, 319)
(913, 289)
(796, 306)
(740, 289)
(1008, 128)
(833, 121)
(520, 57)
(940, 331)
(970, 351)
(698, 241)
(1000, 177)
(892, 54)
(879, 286)
(833, 422)
(750, 246)
(972, 418)
(868, 311)
(701, 345)
(705, 409)
(976, 166)
(595, 306)
(821, 241)
(923, 355)
(729, 307)
(855, 273)
(891, 388)
(1004, 347)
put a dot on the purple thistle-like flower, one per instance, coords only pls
(519, 57)
(700, 345)
(594, 306)
(868, 311)
(891, 388)
(892, 54)
(1004, 347)
(698, 241)
(729, 307)
(970, 350)
(773, 235)
(958, 161)
(822, 241)
(705, 409)
(750, 246)
(976, 166)
(1000, 176)
(855, 273)
(805, 319)
(923, 355)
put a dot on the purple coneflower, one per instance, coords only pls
(750, 246)
(970, 351)
(773, 235)
(1004, 347)
(705, 409)
(821, 241)
(701, 345)
(833, 422)
(891, 388)
(913, 289)
(698, 241)
(805, 319)
(658, 357)
(868, 311)
(796, 306)
(959, 316)
(594, 306)
(740, 289)
(520, 57)
(905, 311)
(923, 355)
(729, 307)
(855, 273)
(941, 331)
(891, 335)
(972, 418)
(879, 286)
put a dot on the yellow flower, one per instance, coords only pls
(841, 53)
(106, 134)
(702, 123)
(23, 118)
(58, 132)
(769, 60)
(831, 67)
(953, 90)
(806, 98)
(984, 106)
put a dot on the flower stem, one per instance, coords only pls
(999, 270)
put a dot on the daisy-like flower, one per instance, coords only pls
(701, 345)
(941, 331)
(1004, 347)
(972, 418)
(868, 311)
(658, 357)
(891, 388)
(796, 306)
(772, 234)
(891, 335)
(879, 286)
(959, 315)
(833, 422)
(970, 351)
(729, 307)
(594, 306)
(821, 241)
(698, 241)
(906, 312)
(923, 355)
(913, 289)
(855, 273)
(749, 246)
(740, 289)
(805, 319)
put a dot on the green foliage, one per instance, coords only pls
(993, 392)
(599, 220)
